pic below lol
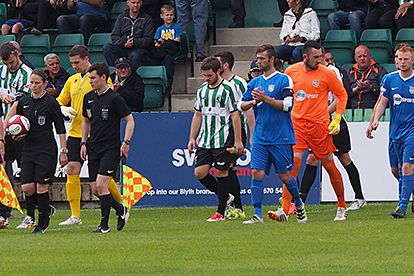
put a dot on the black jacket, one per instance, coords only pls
(353, 5)
(59, 81)
(132, 90)
(141, 28)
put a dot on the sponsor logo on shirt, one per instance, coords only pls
(398, 99)
(302, 95)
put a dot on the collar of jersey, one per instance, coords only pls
(106, 90)
(270, 76)
(44, 93)
(404, 79)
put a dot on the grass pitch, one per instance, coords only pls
(178, 241)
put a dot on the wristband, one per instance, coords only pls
(126, 141)
(2, 140)
(82, 143)
(64, 150)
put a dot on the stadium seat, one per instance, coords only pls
(379, 43)
(367, 114)
(95, 46)
(3, 12)
(358, 115)
(34, 47)
(70, 70)
(117, 9)
(155, 83)
(387, 115)
(184, 49)
(63, 43)
(6, 38)
(323, 7)
(342, 44)
(389, 67)
(405, 35)
(348, 115)
(347, 66)
(342, 56)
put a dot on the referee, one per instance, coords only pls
(102, 110)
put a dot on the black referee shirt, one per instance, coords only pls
(104, 113)
(41, 112)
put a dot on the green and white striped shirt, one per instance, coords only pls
(216, 106)
(14, 84)
(241, 86)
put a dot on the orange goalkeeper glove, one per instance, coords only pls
(334, 125)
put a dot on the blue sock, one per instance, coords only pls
(406, 190)
(399, 187)
(293, 189)
(257, 195)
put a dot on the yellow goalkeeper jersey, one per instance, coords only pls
(76, 87)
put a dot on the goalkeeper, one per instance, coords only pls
(313, 129)
(76, 87)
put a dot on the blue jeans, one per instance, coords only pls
(355, 19)
(287, 52)
(112, 52)
(198, 11)
(87, 24)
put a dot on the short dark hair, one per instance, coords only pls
(7, 49)
(41, 73)
(270, 52)
(309, 45)
(100, 68)
(210, 63)
(226, 57)
(79, 50)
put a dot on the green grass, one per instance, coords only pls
(178, 241)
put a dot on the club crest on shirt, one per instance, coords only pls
(41, 120)
(315, 83)
(89, 113)
(271, 88)
(411, 90)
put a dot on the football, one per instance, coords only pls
(18, 125)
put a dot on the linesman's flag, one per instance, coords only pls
(134, 185)
(7, 195)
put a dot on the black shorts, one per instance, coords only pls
(102, 161)
(39, 169)
(342, 141)
(13, 150)
(73, 145)
(221, 158)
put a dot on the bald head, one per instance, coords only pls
(362, 57)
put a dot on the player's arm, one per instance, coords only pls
(195, 127)
(379, 111)
(12, 112)
(238, 144)
(332, 105)
(86, 126)
(2, 135)
(129, 130)
(251, 121)
(286, 104)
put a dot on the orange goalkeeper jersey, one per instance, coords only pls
(312, 91)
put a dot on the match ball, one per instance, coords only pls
(18, 125)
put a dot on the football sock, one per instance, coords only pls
(31, 202)
(44, 208)
(235, 189)
(293, 189)
(257, 195)
(119, 208)
(353, 175)
(407, 189)
(113, 189)
(399, 187)
(223, 189)
(336, 181)
(73, 192)
(210, 183)
(286, 196)
(307, 181)
(106, 201)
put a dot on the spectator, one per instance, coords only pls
(254, 70)
(90, 17)
(20, 55)
(48, 12)
(400, 17)
(198, 11)
(167, 42)
(350, 12)
(152, 8)
(380, 13)
(239, 13)
(132, 35)
(20, 15)
(56, 75)
(283, 8)
(299, 25)
(128, 84)
(365, 79)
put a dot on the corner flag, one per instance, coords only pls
(134, 185)
(7, 195)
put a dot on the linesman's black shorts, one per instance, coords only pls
(102, 161)
(221, 158)
(73, 145)
(38, 167)
(342, 141)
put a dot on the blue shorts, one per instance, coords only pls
(392, 155)
(404, 151)
(11, 23)
(263, 156)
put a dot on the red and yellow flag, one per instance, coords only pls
(7, 195)
(134, 186)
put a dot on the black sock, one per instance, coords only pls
(307, 181)
(105, 209)
(44, 209)
(31, 202)
(235, 189)
(210, 183)
(223, 188)
(119, 208)
(353, 175)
